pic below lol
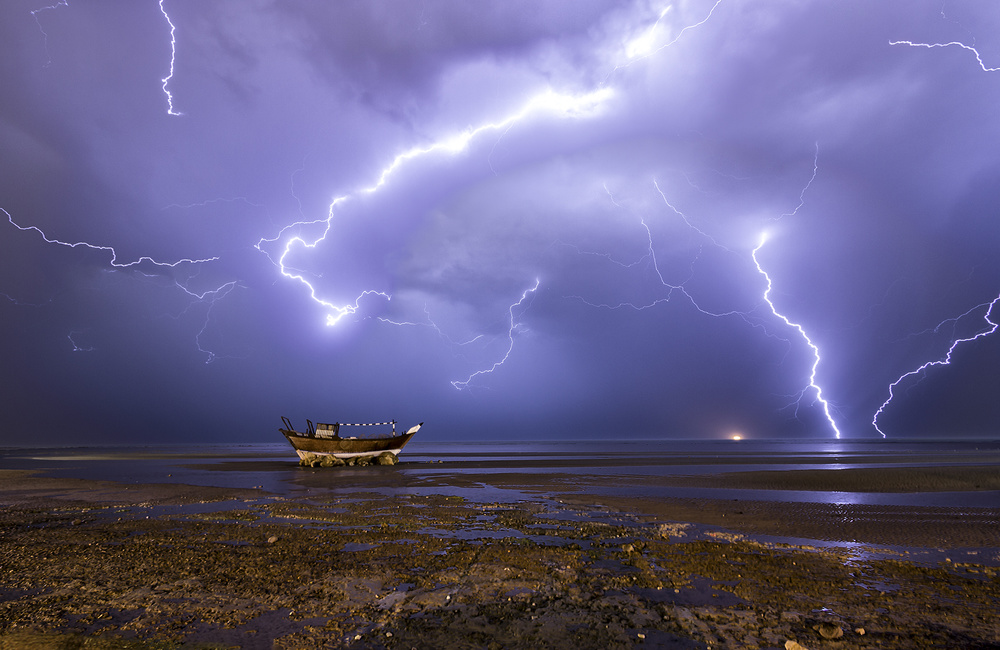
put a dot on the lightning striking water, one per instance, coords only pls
(812, 385)
(946, 359)
(514, 326)
(805, 337)
(173, 55)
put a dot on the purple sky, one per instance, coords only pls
(517, 219)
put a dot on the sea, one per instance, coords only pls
(483, 471)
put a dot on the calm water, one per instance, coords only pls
(482, 471)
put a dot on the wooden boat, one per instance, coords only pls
(321, 443)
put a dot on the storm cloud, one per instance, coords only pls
(517, 219)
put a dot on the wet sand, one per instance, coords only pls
(104, 565)
(894, 525)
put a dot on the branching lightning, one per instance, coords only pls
(644, 45)
(514, 326)
(45, 36)
(946, 359)
(546, 102)
(650, 255)
(211, 297)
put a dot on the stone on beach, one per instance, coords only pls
(829, 630)
(310, 459)
(434, 570)
(674, 529)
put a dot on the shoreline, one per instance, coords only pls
(164, 565)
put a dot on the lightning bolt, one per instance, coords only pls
(114, 253)
(651, 256)
(173, 54)
(805, 188)
(76, 347)
(969, 48)
(644, 45)
(805, 337)
(684, 217)
(211, 297)
(514, 326)
(21, 303)
(548, 101)
(202, 204)
(429, 322)
(946, 359)
(812, 385)
(45, 36)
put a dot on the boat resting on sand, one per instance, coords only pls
(322, 444)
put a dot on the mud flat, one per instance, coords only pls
(101, 565)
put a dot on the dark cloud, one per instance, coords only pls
(412, 170)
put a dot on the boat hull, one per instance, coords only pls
(344, 448)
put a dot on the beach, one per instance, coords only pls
(472, 557)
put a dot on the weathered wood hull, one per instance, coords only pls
(344, 448)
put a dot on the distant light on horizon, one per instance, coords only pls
(737, 436)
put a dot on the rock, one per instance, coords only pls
(829, 630)
(272, 539)
(393, 600)
(794, 645)
(673, 530)
(859, 631)
(387, 458)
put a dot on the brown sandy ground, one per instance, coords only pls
(917, 526)
(85, 565)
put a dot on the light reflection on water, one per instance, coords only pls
(629, 468)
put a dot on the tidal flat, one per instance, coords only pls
(91, 564)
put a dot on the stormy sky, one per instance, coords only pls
(519, 219)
